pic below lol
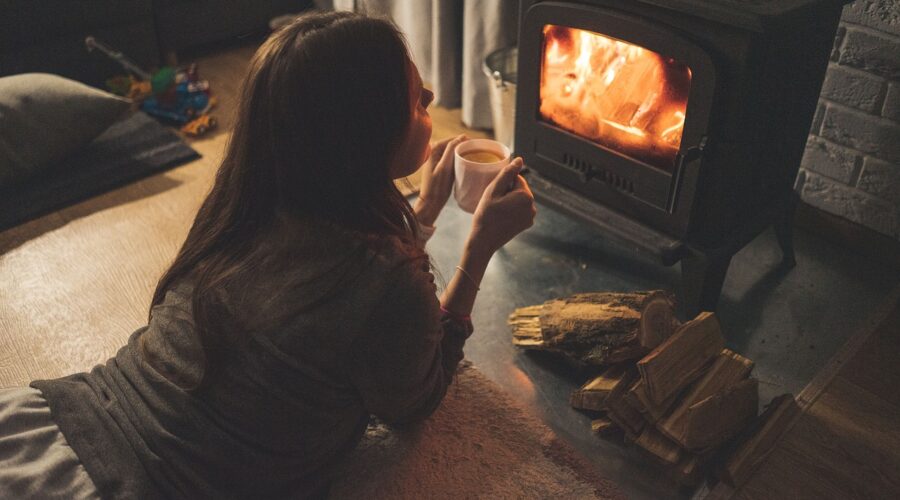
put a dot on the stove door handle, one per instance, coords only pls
(687, 156)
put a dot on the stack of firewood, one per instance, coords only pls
(673, 389)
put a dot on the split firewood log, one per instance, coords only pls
(728, 369)
(603, 426)
(659, 446)
(619, 411)
(716, 419)
(684, 356)
(631, 398)
(593, 394)
(689, 471)
(597, 328)
(652, 412)
(760, 439)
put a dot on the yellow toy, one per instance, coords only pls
(200, 125)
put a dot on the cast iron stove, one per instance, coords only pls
(674, 126)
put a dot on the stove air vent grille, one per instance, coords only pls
(589, 171)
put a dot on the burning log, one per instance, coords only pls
(682, 357)
(597, 328)
(617, 94)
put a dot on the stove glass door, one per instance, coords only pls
(616, 94)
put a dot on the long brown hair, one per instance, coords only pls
(324, 104)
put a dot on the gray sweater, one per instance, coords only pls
(294, 392)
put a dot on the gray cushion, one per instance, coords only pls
(44, 118)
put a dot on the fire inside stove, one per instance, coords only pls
(616, 94)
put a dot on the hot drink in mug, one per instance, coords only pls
(476, 164)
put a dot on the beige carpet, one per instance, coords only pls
(478, 444)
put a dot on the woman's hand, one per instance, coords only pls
(505, 210)
(437, 180)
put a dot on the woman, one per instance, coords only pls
(300, 304)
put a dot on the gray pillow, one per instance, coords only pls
(44, 118)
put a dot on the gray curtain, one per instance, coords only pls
(449, 40)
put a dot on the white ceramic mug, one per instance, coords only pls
(472, 177)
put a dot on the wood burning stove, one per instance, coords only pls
(675, 126)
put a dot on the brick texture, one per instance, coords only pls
(851, 166)
(831, 160)
(876, 136)
(891, 109)
(882, 15)
(872, 52)
(838, 40)
(851, 204)
(881, 179)
(818, 118)
(854, 88)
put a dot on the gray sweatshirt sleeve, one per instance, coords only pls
(403, 364)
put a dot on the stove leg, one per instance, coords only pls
(784, 231)
(702, 276)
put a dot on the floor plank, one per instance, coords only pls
(846, 444)
(875, 367)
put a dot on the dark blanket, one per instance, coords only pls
(134, 147)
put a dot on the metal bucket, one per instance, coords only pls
(501, 67)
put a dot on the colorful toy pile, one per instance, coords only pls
(176, 96)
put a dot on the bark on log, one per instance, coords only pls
(728, 369)
(658, 320)
(675, 363)
(714, 420)
(763, 434)
(597, 328)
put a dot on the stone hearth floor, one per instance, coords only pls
(790, 323)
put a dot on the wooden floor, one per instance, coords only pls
(846, 442)
(77, 282)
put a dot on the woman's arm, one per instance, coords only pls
(402, 365)
(459, 295)
(506, 209)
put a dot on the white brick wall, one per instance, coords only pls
(852, 163)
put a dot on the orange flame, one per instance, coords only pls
(614, 93)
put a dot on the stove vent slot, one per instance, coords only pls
(589, 171)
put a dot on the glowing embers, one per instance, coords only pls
(614, 93)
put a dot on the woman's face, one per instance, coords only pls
(415, 145)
